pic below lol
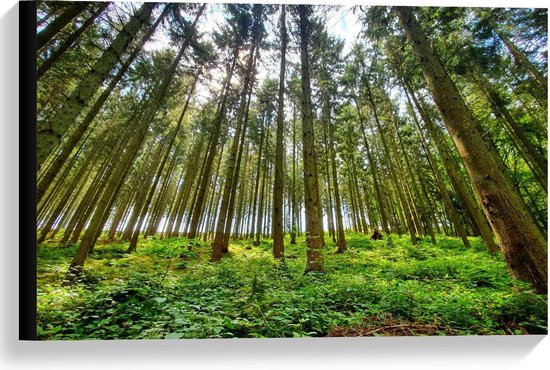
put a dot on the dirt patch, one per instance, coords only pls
(390, 327)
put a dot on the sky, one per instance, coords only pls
(340, 21)
(345, 25)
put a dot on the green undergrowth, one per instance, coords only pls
(169, 289)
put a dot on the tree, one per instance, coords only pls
(278, 235)
(521, 242)
(48, 63)
(232, 38)
(53, 28)
(223, 227)
(314, 226)
(57, 162)
(50, 133)
(121, 168)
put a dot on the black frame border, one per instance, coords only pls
(27, 171)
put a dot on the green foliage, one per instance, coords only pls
(167, 291)
(170, 248)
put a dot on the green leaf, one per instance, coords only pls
(159, 299)
(174, 336)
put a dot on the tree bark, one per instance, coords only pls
(71, 142)
(278, 182)
(49, 136)
(522, 243)
(314, 226)
(52, 29)
(48, 63)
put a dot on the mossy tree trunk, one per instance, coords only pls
(314, 226)
(522, 243)
(72, 140)
(53, 28)
(278, 182)
(49, 136)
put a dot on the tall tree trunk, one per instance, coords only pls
(294, 210)
(439, 180)
(52, 29)
(263, 174)
(415, 196)
(49, 136)
(534, 159)
(133, 240)
(374, 172)
(92, 195)
(70, 190)
(174, 204)
(341, 237)
(522, 59)
(122, 165)
(393, 172)
(314, 225)
(257, 178)
(214, 138)
(522, 243)
(48, 63)
(278, 182)
(452, 170)
(221, 240)
(122, 207)
(75, 136)
(243, 189)
(186, 187)
(237, 177)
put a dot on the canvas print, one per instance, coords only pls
(263, 170)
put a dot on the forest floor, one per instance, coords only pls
(168, 290)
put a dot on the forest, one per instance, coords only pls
(266, 170)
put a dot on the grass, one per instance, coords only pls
(168, 290)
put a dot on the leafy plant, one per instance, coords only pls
(167, 290)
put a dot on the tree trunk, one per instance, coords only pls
(48, 63)
(48, 137)
(314, 226)
(278, 183)
(374, 172)
(534, 159)
(340, 236)
(522, 243)
(294, 210)
(133, 240)
(71, 142)
(263, 174)
(214, 138)
(439, 180)
(52, 29)
(523, 61)
(121, 166)
(393, 172)
(452, 170)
